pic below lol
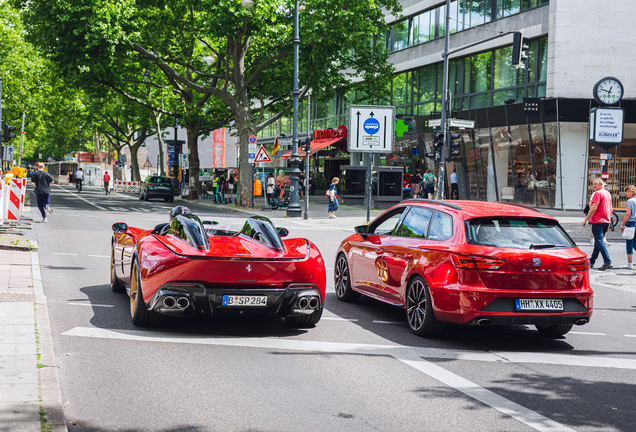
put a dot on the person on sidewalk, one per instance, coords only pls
(454, 185)
(629, 221)
(42, 181)
(599, 216)
(79, 177)
(106, 182)
(301, 187)
(586, 211)
(332, 193)
(429, 184)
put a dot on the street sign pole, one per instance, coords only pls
(442, 163)
(370, 187)
(21, 141)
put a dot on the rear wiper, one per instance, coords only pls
(544, 246)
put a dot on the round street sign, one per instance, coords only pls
(253, 139)
(371, 126)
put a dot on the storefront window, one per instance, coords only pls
(480, 101)
(542, 58)
(522, 165)
(503, 164)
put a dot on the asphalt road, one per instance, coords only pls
(359, 369)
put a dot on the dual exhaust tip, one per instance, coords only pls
(308, 303)
(178, 303)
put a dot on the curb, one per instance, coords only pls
(48, 379)
(19, 248)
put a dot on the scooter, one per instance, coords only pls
(275, 200)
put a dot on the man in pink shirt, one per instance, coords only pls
(599, 217)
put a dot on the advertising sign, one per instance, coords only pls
(606, 126)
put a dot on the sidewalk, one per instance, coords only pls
(30, 397)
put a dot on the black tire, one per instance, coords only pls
(145, 197)
(115, 284)
(171, 199)
(141, 196)
(419, 309)
(342, 281)
(304, 321)
(139, 314)
(554, 330)
(614, 221)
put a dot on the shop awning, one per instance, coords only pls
(316, 145)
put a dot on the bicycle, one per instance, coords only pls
(613, 220)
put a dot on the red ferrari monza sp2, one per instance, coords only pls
(187, 267)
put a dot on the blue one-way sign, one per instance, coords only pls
(371, 128)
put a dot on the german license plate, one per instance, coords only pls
(539, 304)
(244, 300)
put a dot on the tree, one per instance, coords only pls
(217, 57)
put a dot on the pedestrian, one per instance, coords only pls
(599, 216)
(269, 190)
(230, 187)
(586, 211)
(520, 187)
(106, 182)
(454, 185)
(332, 193)
(42, 181)
(429, 183)
(629, 221)
(416, 180)
(281, 182)
(79, 177)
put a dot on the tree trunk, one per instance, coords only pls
(193, 160)
(246, 183)
(134, 162)
(98, 148)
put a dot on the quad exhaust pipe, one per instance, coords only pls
(180, 303)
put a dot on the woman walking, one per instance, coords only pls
(629, 221)
(332, 193)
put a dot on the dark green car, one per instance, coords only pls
(157, 187)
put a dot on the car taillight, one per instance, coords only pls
(578, 265)
(472, 262)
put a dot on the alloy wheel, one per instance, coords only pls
(416, 304)
(342, 277)
(133, 291)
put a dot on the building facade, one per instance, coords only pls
(544, 160)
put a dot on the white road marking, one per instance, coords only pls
(493, 400)
(100, 256)
(89, 304)
(62, 253)
(587, 333)
(630, 335)
(339, 319)
(388, 322)
(82, 198)
(411, 356)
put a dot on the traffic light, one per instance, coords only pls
(306, 146)
(438, 140)
(520, 48)
(6, 132)
(453, 148)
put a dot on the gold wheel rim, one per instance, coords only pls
(133, 291)
(112, 267)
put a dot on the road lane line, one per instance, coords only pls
(62, 253)
(82, 198)
(388, 322)
(493, 400)
(583, 333)
(339, 319)
(630, 335)
(90, 304)
(100, 256)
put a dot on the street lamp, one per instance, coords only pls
(247, 4)
(293, 209)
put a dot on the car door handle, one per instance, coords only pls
(380, 252)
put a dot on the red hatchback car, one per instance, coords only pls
(468, 262)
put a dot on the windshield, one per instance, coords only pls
(518, 233)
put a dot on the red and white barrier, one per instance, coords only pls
(2, 203)
(126, 186)
(22, 193)
(13, 207)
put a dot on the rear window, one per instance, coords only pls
(517, 233)
(159, 180)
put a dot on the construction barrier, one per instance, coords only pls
(2, 204)
(22, 193)
(13, 207)
(126, 186)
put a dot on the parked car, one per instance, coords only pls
(187, 267)
(157, 187)
(468, 262)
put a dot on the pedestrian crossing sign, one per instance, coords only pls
(262, 156)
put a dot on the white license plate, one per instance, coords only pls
(244, 300)
(539, 304)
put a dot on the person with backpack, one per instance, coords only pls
(429, 183)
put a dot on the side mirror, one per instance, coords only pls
(209, 222)
(120, 227)
(283, 232)
(363, 230)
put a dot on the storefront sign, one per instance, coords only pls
(531, 107)
(606, 126)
